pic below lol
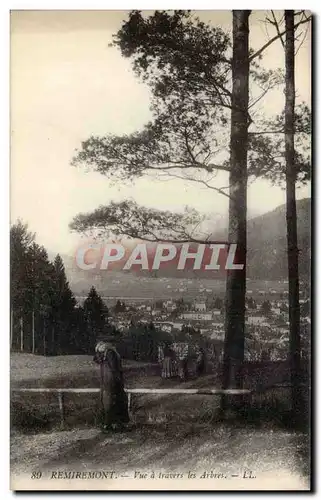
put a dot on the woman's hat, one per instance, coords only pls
(103, 345)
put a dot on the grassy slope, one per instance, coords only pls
(41, 410)
(28, 370)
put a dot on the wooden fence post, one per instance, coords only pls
(21, 334)
(128, 402)
(61, 408)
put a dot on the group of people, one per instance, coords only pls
(175, 359)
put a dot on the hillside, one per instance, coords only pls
(267, 246)
(267, 255)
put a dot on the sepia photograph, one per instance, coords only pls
(160, 250)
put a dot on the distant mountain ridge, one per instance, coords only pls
(267, 243)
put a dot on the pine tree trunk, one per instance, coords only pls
(236, 279)
(291, 216)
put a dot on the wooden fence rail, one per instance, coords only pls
(170, 391)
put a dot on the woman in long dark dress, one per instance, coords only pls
(113, 397)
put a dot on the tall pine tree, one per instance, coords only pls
(42, 304)
(96, 315)
(38, 274)
(63, 309)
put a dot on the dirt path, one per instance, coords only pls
(170, 449)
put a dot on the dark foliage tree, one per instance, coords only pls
(31, 290)
(43, 313)
(39, 299)
(96, 314)
(266, 308)
(284, 307)
(218, 303)
(63, 309)
(180, 305)
(120, 307)
(142, 341)
(80, 338)
(305, 308)
(21, 240)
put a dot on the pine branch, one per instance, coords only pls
(201, 181)
(276, 37)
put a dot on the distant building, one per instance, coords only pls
(200, 306)
(256, 320)
(217, 335)
(205, 331)
(199, 316)
(177, 326)
(169, 305)
(156, 312)
(166, 327)
(217, 327)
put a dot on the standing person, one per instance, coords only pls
(169, 362)
(112, 393)
(200, 362)
(183, 361)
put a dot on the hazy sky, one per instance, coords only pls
(66, 84)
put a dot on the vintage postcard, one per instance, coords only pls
(160, 250)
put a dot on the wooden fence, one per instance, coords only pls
(170, 391)
(60, 392)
